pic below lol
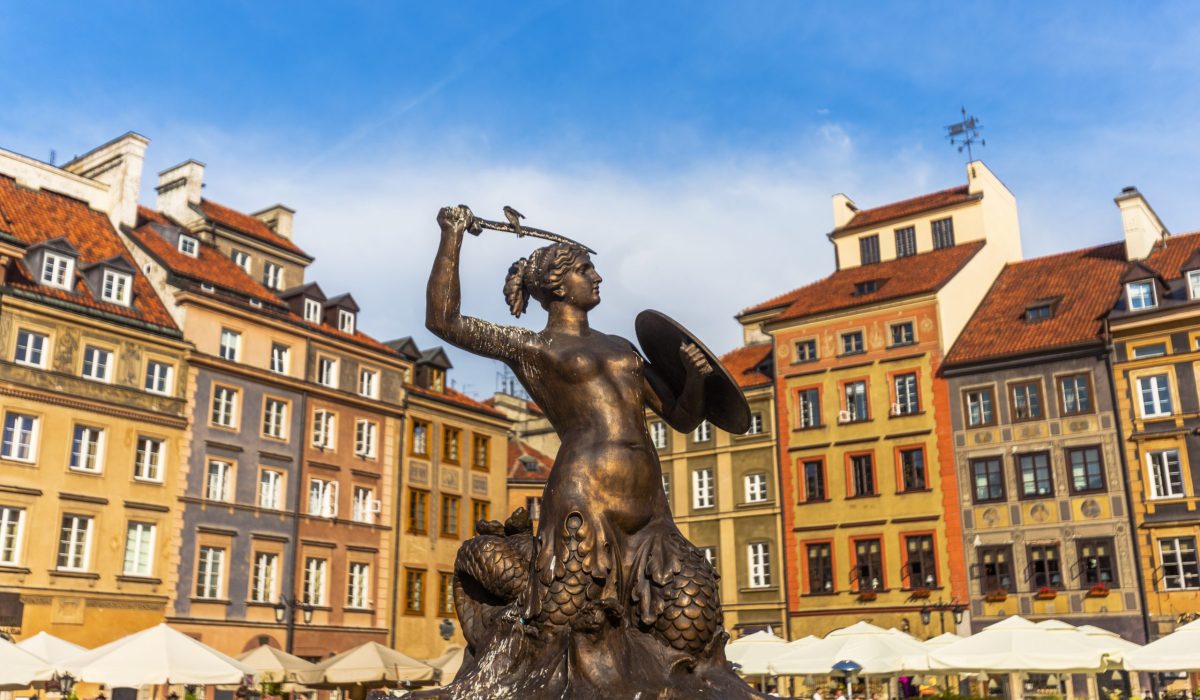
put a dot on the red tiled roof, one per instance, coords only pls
(743, 362)
(517, 469)
(244, 223)
(453, 396)
(1168, 258)
(356, 337)
(35, 216)
(1081, 286)
(908, 207)
(894, 279)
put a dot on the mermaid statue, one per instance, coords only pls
(607, 599)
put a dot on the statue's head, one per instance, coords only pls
(559, 272)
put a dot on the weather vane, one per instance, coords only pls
(965, 133)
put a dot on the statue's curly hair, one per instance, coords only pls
(539, 276)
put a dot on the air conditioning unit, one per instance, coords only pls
(375, 506)
(845, 416)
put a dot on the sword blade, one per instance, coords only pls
(526, 230)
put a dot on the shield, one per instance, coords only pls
(660, 337)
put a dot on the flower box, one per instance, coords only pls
(1100, 590)
(867, 596)
(1046, 593)
(996, 596)
(919, 593)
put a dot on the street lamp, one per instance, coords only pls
(285, 609)
(955, 608)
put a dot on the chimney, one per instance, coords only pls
(179, 190)
(117, 164)
(1142, 226)
(843, 210)
(277, 218)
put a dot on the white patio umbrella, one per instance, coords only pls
(448, 663)
(277, 666)
(1178, 651)
(1018, 645)
(878, 651)
(372, 664)
(754, 651)
(19, 668)
(159, 655)
(53, 650)
(1109, 642)
(942, 640)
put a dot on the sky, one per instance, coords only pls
(694, 144)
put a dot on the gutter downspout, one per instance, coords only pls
(398, 507)
(297, 502)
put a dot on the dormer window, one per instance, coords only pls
(312, 311)
(1040, 310)
(1141, 295)
(1193, 279)
(116, 287)
(189, 245)
(57, 270)
(241, 258)
(861, 288)
(345, 321)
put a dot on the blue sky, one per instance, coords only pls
(694, 144)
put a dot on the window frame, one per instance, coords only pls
(312, 310)
(324, 429)
(121, 284)
(419, 438)
(26, 426)
(1113, 568)
(12, 535)
(97, 351)
(852, 473)
(225, 481)
(147, 570)
(902, 469)
(1156, 397)
(658, 434)
(260, 593)
(912, 406)
(366, 438)
(314, 582)
(877, 570)
(1009, 568)
(153, 378)
(828, 567)
(277, 488)
(1152, 480)
(998, 461)
(415, 497)
(450, 516)
(414, 591)
(1179, 551)
(868, 249)
(1049, 474)
(368, 383)
(845, 396)
(327, 371)
(983, 391)
(1129, 294)
(1069, 452)
(806, 497)
(1061, 382)
(906, 542)
(906, 241)
(704, 489)
(1045, 579)
(189, 245)
(275, 423)
(941, 232)
(851, 335)
(55, 265)
(234, 404)
(87, 457)
(358, 585)
(802, 404)
(42, 351)
(801, 347)
(210, 584)
(758, 573)
(912, 334)
(272, 275)
(67, 547)
(756, 487)
(1034, 398)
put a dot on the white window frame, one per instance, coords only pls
(1161, 402)
(658, 434)
(230, 347)
(1165, 482)
(87, 449)
(12, 535)
(358, 586)
(1141, 286)
(272, 275)
(159, 374)
(703, 488)
(264, 577)
(148, 459)
(316, 576)
(327, 371)
(1193, 280)
(224, 407)
(987, 409)
(95, 357)
(116, 287)
(364, 505)
(312, 310)
(58, 271)
(756, 424)
(240, 258)
(324, 430)
(20, 437)
(810, 411)
(908, 398)
(140, 540)
(756, 487)
(1177, 555)
(758, 562)
(218, 480)
(322, 498)
(189, 245)
(275, 418)
(281, 358)
(74, 542)
(210, 572)
(365, 434)
(32, 348)
(703, 432)
(368, 383)
(270, 489)
(346, 321)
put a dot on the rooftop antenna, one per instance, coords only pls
(965, 133)
(53, 156)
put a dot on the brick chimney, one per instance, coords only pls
(278, 218)
(843, 210)
(179, 189)
(1142, 226)
(117, 164)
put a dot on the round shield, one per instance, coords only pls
(724, 403)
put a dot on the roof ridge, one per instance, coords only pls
(964, 188)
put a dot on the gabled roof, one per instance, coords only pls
(909, 207)
(1169, 256)
(344, 301)
(38, 216)
(1084, 283)
(435, 356)
(244, 223)
(745, 364)
(57, 243)
(1138, 270)
(406, 347)
(116, 262)
(894, 279)
(526, 463)
(308, 289)
(455, 397)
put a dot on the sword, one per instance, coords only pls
(475, 226)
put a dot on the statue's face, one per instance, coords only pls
(581, 284)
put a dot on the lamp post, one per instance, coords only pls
(285, 609)
(942, 607)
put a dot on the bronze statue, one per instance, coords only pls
(607, 600)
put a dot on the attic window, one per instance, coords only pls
(312, 310)
(867, 287)
(530, 464)
(57, 270)
(115, 287)
(1040, 310)
(1141, 295)
(188, 245)
(345, 321)
(205, 286)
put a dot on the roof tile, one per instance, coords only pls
(244, 223)
(908, 207)
(517, 469)
(743, 364)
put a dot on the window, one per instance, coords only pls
(115, 287)
(1177, 558)
(703, 432)
(1076, 392)
(903, 333)
(275, 418)
(12, 534)
(943, 233)
(31, 349)
(710, 555)
(666, 484)
(756, 424)
(979, 408)
(1140, 295)
(868, 564)
(1155, 393)
(418, 506)
(806, 350)
(702, 488)
(1044, 567)
(139, 549)
(906, 242)
(856, 402)
(987, 475)
(316, 570)
(231, 344)
(450, 441)
(270, 489)
(1038, 312)
(1026, 401)
(312, 310)
(364, 505)
(368, 383)
(921, 567)
(358, 586)
(446, 594)
(809, 401)
(75, 543)
(97, 363)
(218, 480)
(1087, 469)
(866, 287)
(868, 249)
(479, 451)
(814, 481)
(533, 506)
(58, 271)
(912, 469)
(147, 464)
(450, 508)
(420, 438)
(758, 555)
(20, 435)
(995, 569)
(345, 321)
(820, 568)
(272, 276)
(1096, 562)
(862, 475)
(480, 510)
(240, 258)
(327, 369)
(1034, 476)
(224, 408)
(322, 498)
(658, 434)
(210, 572)
(188, 245)
(414, 592)
(87, 449)
(907, 402)
(1149, 350)
(281, 358)
(159, 377)
(364, 438)
(264, 577)
(852, 343)
(756, 488)
(324, 429)
(1166, 474)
